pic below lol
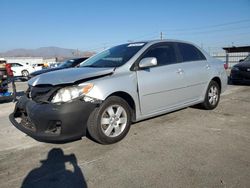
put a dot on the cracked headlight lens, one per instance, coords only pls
(71, 92)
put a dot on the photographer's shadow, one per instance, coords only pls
(58, 170)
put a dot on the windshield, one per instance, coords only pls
(247, 58)
(71, 63)
(67, 64)
(113, 57)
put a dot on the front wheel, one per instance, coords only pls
(110, 122)
(212, 97)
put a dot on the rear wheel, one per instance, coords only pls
(110, 122)
(25, 73)
(212, 97)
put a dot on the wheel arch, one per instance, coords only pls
(129, 99)
(25, 70)
(217, 80)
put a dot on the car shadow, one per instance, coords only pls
(238, 83)
(58, 170)
(242, 83)
(21, 79)
(19, 94)
(161, 115)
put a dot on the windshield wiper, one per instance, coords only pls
(94, 66)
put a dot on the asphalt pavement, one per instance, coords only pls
(187, 148)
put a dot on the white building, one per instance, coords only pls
(29, 60)
(49, 61)
(230, 58)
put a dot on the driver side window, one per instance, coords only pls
(165, 54)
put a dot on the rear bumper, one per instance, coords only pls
(51, 122)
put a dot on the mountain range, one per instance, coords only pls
(45, 52)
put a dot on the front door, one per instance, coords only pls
(161, 87)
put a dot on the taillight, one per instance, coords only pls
(226, 66)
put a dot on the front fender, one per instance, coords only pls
(117, 82)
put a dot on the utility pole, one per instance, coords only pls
(161, 35)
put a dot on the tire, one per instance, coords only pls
(25, 73)
(110, 122)
(212, 97)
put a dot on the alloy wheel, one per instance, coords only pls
(213, 95)
(114, 120)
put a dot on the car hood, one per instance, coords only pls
(44, 71)
(69, 76)
(244, 64)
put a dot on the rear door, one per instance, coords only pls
(160, 87)
(196, 70)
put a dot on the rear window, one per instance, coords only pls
(190, 53)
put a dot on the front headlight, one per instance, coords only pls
(235, 69)
(71, 92)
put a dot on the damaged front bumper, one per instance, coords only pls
(50, 122)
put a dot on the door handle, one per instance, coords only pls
(180, 71)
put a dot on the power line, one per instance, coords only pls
(210, 26)
(161, 35)
(153, 34)
(211, 31)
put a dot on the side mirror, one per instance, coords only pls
(241, 60)
(148, 62)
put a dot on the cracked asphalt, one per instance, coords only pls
(187, 148)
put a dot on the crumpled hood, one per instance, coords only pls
(68, 76)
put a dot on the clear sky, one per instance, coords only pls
(95, 24)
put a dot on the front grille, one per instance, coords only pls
(26, 122)
(54, 127)
(41, 93)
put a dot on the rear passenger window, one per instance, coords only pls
(165, 54)
(190, 53)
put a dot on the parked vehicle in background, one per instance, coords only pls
(54, 65)
(67, 64)
(6, 78)
(37, 67)
(22, 69)
(123, 84)
(240, 72)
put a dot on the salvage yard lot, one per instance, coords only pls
(187, 148)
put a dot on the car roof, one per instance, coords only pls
(163, 40)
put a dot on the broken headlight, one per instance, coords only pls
(71, 92)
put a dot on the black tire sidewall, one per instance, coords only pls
(206, 103)
(101, 137)
(25, 71)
